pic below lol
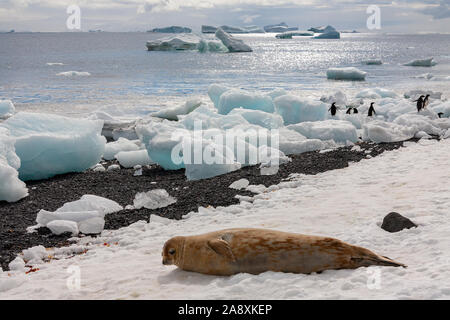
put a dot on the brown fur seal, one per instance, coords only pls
(254, 251)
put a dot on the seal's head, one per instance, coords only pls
(173, 251)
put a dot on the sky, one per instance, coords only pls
(400, 16)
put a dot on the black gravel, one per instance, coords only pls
(121, 186)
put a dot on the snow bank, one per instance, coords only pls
(233, 44)
(48, 145)
(337, 130)
(294, 109)
(428, 62)
(154, 199)
(350, 73)
(113, 148)
(173, 112)
(234, 98)
(7, 108)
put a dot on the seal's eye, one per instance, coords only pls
(172, 251)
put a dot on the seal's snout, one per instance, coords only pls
(166, 262)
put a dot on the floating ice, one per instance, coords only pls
(280, 27)
(428, 62)
(350, 73)
(154, 199)
(11, 188)
(54, 63)
(178, 42)
(294, 109)
(129, 159)
(338, 130)
(113, 148)
(329, 33)
(48, 145)
(234, 98)
(381, 131)
(215, 91)
(260, 118)
(206, 45)
(233, 44)
(371, 62)
(377, 93)
(239, 184)
(74, 74)
(7, 109)
(290, 34)
(61, 226)
(173, 29)
(174, 112)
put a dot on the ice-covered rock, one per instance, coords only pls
(294, 109)
(183, 41)
(260, 118)
(173, 112)
(381, 131)
(234, 98)
(129, 159)
(11, 188)
(48, 145)
(233, 44)
(337, 130)
(173, 29)
(113, 148)
(349, 73)
(428, 62)
(154, 199)
(7, 109)
(239, 184)
(61, 226)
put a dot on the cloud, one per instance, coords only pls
(249, 18)
(441, 11)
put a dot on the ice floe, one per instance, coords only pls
(349, 73)
(74, 74)
(427, 62)
(184, 41)
(233, 44)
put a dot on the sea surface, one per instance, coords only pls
(126, 78)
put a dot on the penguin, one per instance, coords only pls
(333, 109)
(425, 101)
(420, 103)
(349, 110)
(440, 114)
(371, 110)
(355, 110)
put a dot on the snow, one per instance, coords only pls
(48, 145)
(233, 44)
(129, 267)
(173, 112)
(74, 74)
(338, 130)
(122, 144)
(234, 98)
(182, 41)
(381, 131)
(349, 73)
(129, 159)
(60, 226)
(7, 108)
(11, 188)
(295, 109)
(239, 184)
(154, 199)
(427, 62)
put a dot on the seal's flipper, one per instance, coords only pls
(221, 247)
(376, 260)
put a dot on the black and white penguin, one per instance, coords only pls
(371, 110)
(355, 110)
(333, 109)
(425, 101)
(420, 103)
(349, 110)
(440, 114)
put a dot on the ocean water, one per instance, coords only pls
(125, 76)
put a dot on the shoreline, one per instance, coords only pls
(121, 186)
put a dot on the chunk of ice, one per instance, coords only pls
(154, 199)
(349, 73)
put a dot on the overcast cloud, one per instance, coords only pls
(141, 15)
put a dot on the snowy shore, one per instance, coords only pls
(348, 204)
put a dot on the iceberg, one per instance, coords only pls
(172, 29)
(74, 74)
(183, 41)
(154, 199)
(290, 34)
(129, 159)
(294, 109)
(317, 29)
(233, 44)
(381, 131)
(48, 145)
(372, 62)
(339, 131)
(113, 148)
(206, 45)
(215, 91)
(234, 98)
(279, 28)
(173, 112)
(208, 29)
(329, 33)
(7, 109)
(254, 29)
(428, 62)
(350, 73)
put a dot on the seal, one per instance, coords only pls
(254, 251)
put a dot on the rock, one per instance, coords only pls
(395, 222)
